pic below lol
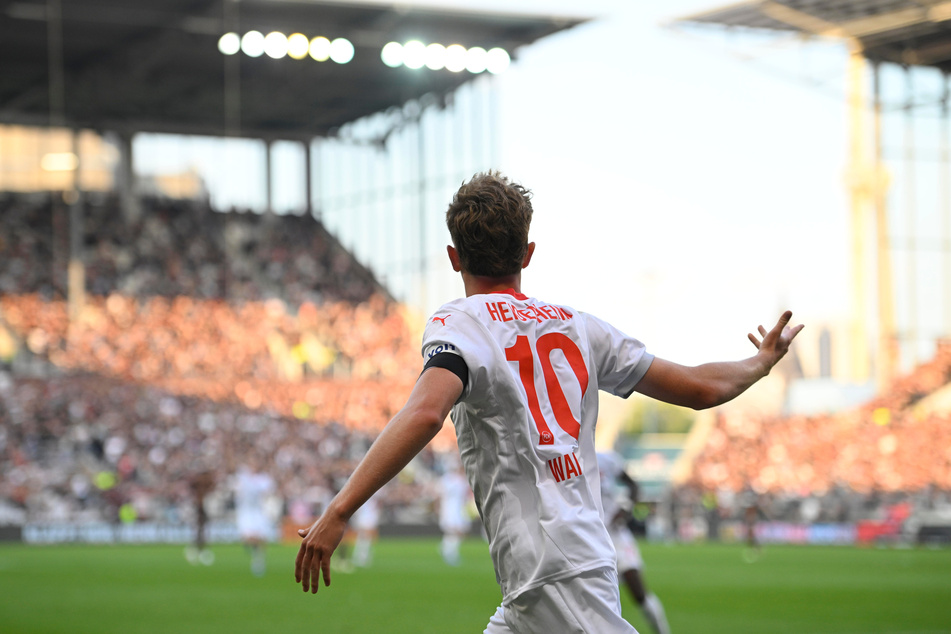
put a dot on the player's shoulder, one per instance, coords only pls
(452, 314)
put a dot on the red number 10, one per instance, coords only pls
(522, 353)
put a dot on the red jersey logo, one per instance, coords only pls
(442, 320)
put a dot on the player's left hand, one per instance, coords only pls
(775, 342)
(320, 542)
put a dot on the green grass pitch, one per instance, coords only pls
(705, 589)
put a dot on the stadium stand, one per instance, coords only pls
(888, 460)
(208, 336)
(204, 334)
(179, 248)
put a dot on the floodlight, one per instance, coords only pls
(275, 45)
(476, 59)
(341, 50)
(455, 58)
(392, 54)
(229, 43)
(320, 48)
(435, 56)
(414, 54)
(498, 61)
(298, 45)
(253, 44)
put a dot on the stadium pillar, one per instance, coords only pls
(268, 173)
(421, 201)
(910, 213)
(308, 179)
(231, 75)
(54, 47)
(861, 182)
(944, 183)
(76, 273)
(886, 357)
(125, 179)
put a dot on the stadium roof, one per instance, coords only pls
(154, 65)
(912, 32)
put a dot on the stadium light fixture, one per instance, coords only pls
(498, 61)
(229, 43)
(435, 56)
(275, 45)
(320, 48)
(341, 50)
(252, 43)
(476, 60)
(455, 58)
(414, 54)
(297, 46)
(392, 54)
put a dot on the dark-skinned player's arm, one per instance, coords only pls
(404, 436)
(712, 384)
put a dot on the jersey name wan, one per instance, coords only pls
(525, 427)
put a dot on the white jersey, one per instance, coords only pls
(610, 466)
(525, 427)
(367, 517)
(453, 497)
(251, 495)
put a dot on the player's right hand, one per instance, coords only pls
(319, 543)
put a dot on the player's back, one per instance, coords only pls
(525, 426)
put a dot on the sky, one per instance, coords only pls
(679, 192)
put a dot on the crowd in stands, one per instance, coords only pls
(77, 447)
(843, 466)
(171, 341)
(177, 248)
(205, 334)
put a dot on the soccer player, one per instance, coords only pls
(618, 491)
(201, 484)
(366, 525)
(752, 513)
(454, 494)
(252, 489)
(521, 376)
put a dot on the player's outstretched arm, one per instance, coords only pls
(713, 384)
(403, 437)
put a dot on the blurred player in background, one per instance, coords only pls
(521, 377)
(454, 522)
(752, 514)
(253, 487)
(201, 484)
(366, 525)
(618, 496)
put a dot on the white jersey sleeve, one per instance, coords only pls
(615, 354)
(525, 427)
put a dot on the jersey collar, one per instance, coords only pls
(512, 292)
